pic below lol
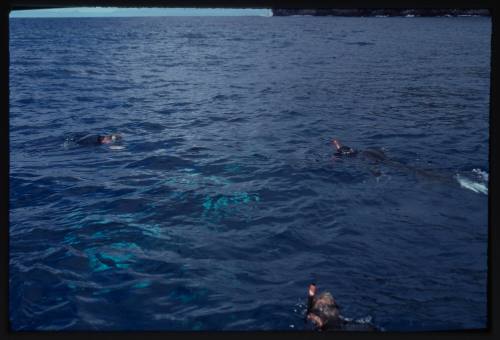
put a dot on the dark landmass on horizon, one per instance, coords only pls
(391, 12)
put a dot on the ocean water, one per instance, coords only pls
(224, 199)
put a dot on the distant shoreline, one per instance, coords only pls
(384, 12)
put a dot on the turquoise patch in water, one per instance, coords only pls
(226, 205)
(125, 245)
(100, 261)
(182, 295)
(178, 195)
(186, 298)
(197, 326)
(102, 291)
(150, 229)
(97, 265)
(98, 234)
(153, 231)
(240, 197)
(142, 284)
(207, 204)
(244, 197)
(222, 202)
(129, 217)
(218, 180)
(70, 239)
(116, 258)
(122, 265)
(232, 168)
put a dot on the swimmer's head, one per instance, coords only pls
(108, 139)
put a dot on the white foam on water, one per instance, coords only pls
(116, 147)
(366, 319)
(66, 144)
(482, 174)
(471, 185)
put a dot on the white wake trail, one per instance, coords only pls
(472, 185)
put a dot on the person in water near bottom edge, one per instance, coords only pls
(324, 312)
(99, 139)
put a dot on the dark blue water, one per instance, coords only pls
(225, 199)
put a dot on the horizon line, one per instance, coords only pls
(110, 12)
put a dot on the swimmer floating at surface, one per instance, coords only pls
(92, 139)
(374, 154)
(377, 156)
(324, 313)
(342, 149)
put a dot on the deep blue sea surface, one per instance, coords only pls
(224, 199)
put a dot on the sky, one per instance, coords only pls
(131, 12)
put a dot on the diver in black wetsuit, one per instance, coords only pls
(324, 313)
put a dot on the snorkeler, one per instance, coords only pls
(99, 139)
(342, 150)
(324, 313)
(377, 156)
(374, 154)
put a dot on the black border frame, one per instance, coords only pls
(493, 322)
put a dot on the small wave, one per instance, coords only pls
(378, 136)
(193, 36)
(360, 43)
(152, 127)
(227, 97)
(160, 163)
(25, 101)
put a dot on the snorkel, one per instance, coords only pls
(116, 137)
